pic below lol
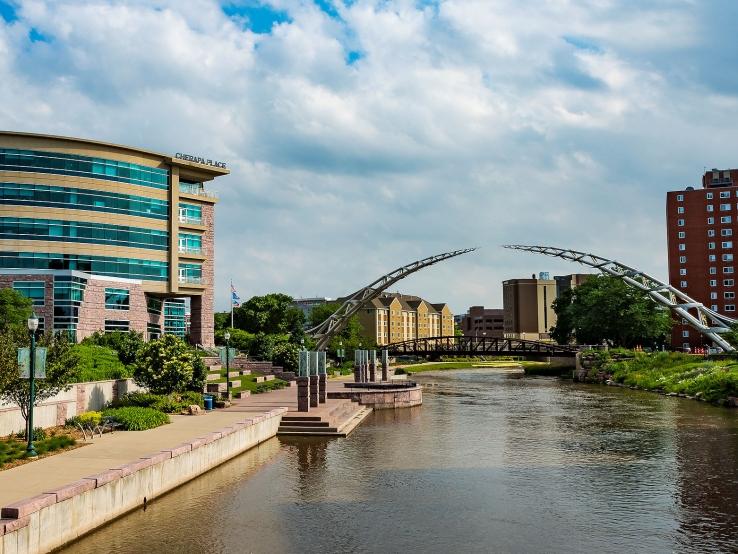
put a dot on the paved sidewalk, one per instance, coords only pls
(115, 449)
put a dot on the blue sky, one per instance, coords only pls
(362, 135)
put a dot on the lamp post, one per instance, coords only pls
(340, 353)
(32, 328)
(227, 337)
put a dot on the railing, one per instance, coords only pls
(186, 188)
(190, 250)
(189, 279)
(188, 219)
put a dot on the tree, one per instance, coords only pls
(352, 335)
(604, 308)
(168, 365)
(222, 320)
(15, 309)
(262, 348)
(271, 314)
(62, 368)
(240, 340)
(286, 355)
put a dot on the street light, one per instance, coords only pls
(340, 353)
(227, 337)
(32, 328)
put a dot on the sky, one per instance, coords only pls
(364, 134)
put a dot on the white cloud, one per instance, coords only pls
(468, 122)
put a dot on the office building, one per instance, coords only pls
(107, 237)
(701, 226)
(483, 322)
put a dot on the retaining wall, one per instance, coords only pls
(56, 517)
(81, 397)
(383, 399)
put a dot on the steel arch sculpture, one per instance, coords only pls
(478, 346)
(325, 331)
(708, 322)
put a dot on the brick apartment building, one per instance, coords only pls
(483, 322)
(702, 224)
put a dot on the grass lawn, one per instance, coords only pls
(248, 383)
(14, 450)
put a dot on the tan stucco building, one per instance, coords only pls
(395, 317)
(107, 237)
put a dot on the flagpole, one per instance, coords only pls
(231, 297)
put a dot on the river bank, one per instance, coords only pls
(529, 367)
(669, 373)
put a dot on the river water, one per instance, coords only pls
(490, 463)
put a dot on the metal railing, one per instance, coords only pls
(190, 279)
(188, 219)
(186, 188)
(190, 250)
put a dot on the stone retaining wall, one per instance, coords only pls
(383, 399)
(81, 397)
(56, 517)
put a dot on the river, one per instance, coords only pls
(490, 463)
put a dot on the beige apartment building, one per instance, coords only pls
(528, 304)
(395, 317)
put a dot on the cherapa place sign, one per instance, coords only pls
(199, 160)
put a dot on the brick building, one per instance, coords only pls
(701, 226)
(483, 322)
(107, 237)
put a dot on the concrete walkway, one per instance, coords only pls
(115, 449)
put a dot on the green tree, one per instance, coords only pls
(286, 355)
(262, 348)
(352, 335)
(62, 368)
(168, 365)
(271, 314)
(15, 308)
(604, 308)
(240, 340)
(222, 320)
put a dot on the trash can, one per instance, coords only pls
(208, 400)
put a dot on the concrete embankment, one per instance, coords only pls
(60, 515)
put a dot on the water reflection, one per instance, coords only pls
(489, 463)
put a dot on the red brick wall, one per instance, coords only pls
(92, 313)
(201, 307)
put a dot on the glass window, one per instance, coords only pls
(711, 232)
(728, 282)
(726, 219)
(153, 305)
(683, 284)
(174, 317)
(713, 283)
(710, 208)
(117, 299)
(680, 198)
(729, 295)
(725, 207)
(190, 213)
(685, 333)
(35, 290)
(724, 194)
(711, 258)
(190, 243)
(713, 296)
(730, 307)
(727, 244)
(682, 247)
(190, 273)
(129, 268)
(116, 325)
(713, 270)
(682, 259)
(82, 166)
(680, 222)
(726, 232)
(683, 271)
(711, 245)
(727, 257)
(728, 269)
(710, 220)
(680, 209)
(709, 196)
(682, 234)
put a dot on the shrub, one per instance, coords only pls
(87, 419)
(168, 365)
(126, 345)
(99, 363)
(168, 403)
(134, 418)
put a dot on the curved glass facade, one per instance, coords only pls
(83, 166)
(150, 270)
(23, 194)
(21, 228)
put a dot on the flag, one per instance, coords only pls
(235, 300)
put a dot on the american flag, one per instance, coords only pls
(235, 300)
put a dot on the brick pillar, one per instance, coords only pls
(201, 319)
(385, 369)
(313, 391)
(303, 394)
(322, 392)
(373, 373)
(357, 372)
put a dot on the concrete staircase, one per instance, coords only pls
(335, 419)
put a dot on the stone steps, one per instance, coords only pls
(339, 421)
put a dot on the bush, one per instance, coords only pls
(99, 363)
(134, 418)
(168, 403)
(87, 419)
(168, 365)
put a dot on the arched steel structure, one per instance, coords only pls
(478, 346)
(708, 322)
(325, 331)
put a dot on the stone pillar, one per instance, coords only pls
(373, 366)
(322, 384)
(313, 391)
(303, 394)
(385, 365)
(201, 319)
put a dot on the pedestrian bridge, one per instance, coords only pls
(479, 346)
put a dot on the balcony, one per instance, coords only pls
(190, 250)
(189, 219)
(196, 189)
(190, 280)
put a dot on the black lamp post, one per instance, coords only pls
(227, 337)
(32, 328)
